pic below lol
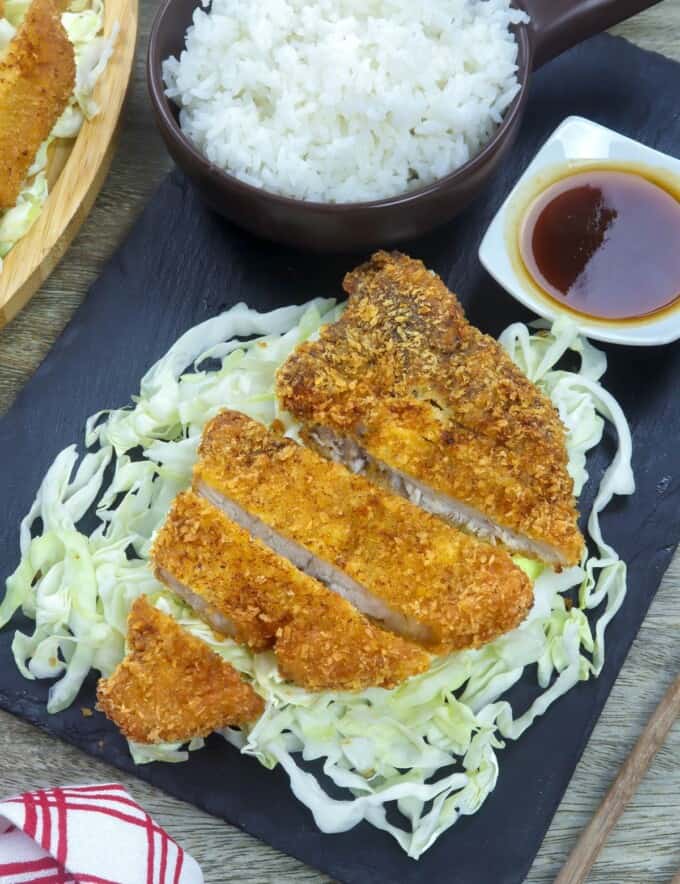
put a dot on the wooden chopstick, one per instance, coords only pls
(622, 790)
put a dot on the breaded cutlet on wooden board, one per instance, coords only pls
(76, 170)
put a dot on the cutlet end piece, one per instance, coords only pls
(37, 77)
(403, 376)
(171, 687)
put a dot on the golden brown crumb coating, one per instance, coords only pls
(171, 686)
(338, 649)
(37, 77)
(321, 642)
(463, 591)
(404, 375)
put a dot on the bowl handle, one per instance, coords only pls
(557, 25)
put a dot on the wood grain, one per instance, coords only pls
(643, 849)
(76, 172)
(622, 789)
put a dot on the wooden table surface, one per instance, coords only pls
(645, 846)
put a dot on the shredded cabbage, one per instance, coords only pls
(84, 23)
(427, 752)
(17, 221)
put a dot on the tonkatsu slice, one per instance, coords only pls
(243, 589)
(37, 78)
(171, 687)
(397, 564)
(404, 388)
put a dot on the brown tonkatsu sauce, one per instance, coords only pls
(605, 243)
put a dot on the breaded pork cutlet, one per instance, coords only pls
(404, 388)
(243, 589)
(37, 77)
(415, 574)
(171, 686)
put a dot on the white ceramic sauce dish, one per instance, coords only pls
(577, 144)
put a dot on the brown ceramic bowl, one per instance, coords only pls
(327, 227)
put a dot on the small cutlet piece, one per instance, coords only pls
(415, 574)
(404, 388)
(37, 78)
(244, 590)
(171, 687)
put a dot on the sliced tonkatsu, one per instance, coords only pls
(415, 574)
(172, 687)
(37, 78)
(403, 388)
(245, 590)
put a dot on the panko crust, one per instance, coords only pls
(320, 640)
(465, 591)
(171, 687)
(37, 78)
(405, 375)
(334, 650)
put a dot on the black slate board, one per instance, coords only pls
(182, 264)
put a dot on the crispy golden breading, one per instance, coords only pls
(406, 377)
(171, 686)
(37, 77)
(462, 591)
(336, 649)
(321, 642)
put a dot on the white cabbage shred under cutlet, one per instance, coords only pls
(341, 100)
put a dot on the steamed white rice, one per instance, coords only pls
(344, 100)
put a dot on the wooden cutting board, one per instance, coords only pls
(75, 172)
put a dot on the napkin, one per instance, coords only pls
(87, 835)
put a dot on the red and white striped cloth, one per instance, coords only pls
(87, 835)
